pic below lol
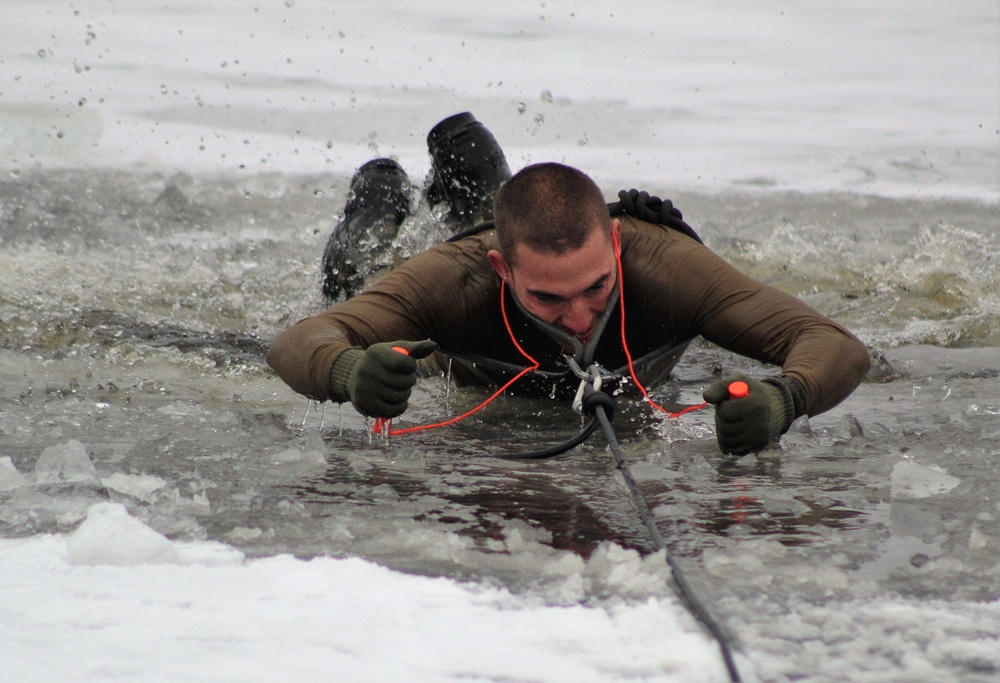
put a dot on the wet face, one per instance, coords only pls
(568, 291)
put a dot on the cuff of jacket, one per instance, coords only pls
(794, 399)
(338, 384)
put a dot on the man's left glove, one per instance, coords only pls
(748, 424)
(378, 380)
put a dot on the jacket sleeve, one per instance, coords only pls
(704, 295)
(431, 296)
(303, 354)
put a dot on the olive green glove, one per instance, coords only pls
(378, 380)
(744, 425)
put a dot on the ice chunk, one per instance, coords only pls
(622, 572)
(783, 502)
(800, 436)
(977, 540)
(647, 471)
(67, 462)
(850, 427)
(384, 492)
(180, 409)
(10, 478)
(141, 486)
(110, 535)
(931, 389)
(243, 534)
(910, 480)
(982, 410)
(295, 456)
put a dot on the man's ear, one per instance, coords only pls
(499, 264)
(616, 228)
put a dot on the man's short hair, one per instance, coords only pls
(548, 207)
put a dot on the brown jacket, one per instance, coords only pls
(675, 289)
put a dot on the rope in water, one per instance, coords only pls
(685, 589)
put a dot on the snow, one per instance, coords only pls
(83, 609)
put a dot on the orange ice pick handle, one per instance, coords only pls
(384, 424)
(738, 390)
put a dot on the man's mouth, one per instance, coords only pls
(582, 338)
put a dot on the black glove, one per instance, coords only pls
(744, 425)
(647, 208)
(378, 380)
(652, 209)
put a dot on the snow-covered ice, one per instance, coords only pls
(79, 609)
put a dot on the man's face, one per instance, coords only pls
(568, 291)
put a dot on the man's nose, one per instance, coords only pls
(578, 316)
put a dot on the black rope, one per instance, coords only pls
(600, 406)
(686, 591)
(553, 451)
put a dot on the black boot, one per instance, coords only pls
(377, 204)
(467, 168)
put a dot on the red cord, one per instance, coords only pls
(628, 354)
(534, 366)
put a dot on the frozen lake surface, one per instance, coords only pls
(169, 509)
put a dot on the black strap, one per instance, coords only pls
(469, 232)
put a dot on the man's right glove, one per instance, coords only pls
(378, 380)
(744, 425)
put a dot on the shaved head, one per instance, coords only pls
(550, 208)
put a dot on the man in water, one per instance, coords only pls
(552, 279)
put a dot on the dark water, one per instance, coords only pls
(135, 309)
